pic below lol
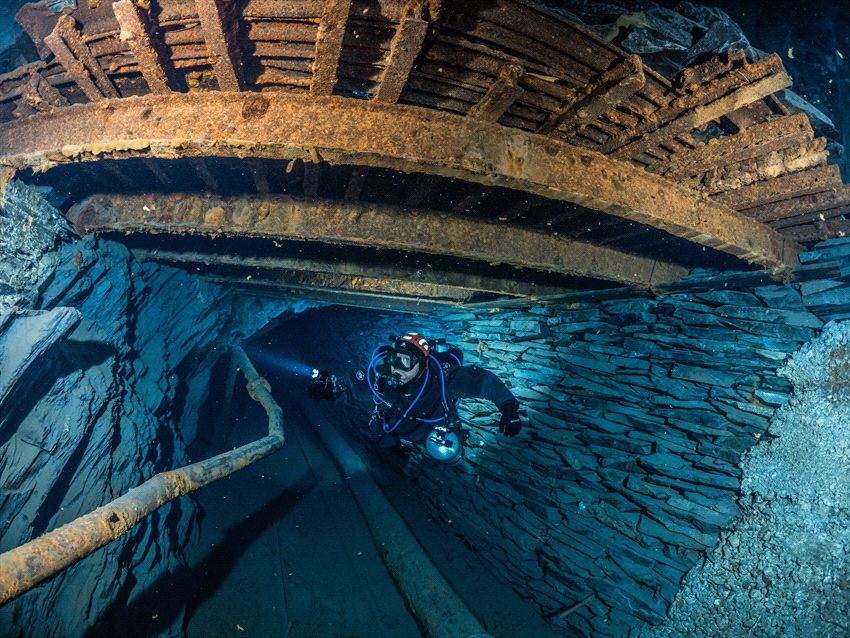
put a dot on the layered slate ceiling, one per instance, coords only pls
(401, 154)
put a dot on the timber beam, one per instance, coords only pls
(400, 137)
(366, 225)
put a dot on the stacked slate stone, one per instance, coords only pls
(637, 412)
(829, 299)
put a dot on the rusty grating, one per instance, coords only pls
(746, 177)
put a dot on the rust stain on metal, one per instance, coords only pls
(405, 46)
(219, 28)
(138, 31)
(367, 225)
(329, 46)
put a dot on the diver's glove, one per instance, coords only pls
(510, 425)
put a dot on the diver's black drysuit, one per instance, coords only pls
(412, 411)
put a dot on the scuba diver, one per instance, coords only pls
(417, 385)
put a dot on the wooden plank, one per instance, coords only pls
(726, 79)
(701, 115)
(404, 49)
(219, 28)
(77, 59)
(598, 97)
(816, 180)
(802, 205)
(774, 135)
(329, 46)
(378, 270)
(819, 231)
(138, 30)
(41, 96)
(501, 94)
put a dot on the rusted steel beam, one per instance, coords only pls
(275, 290)
(268, 268)
(219, 27)
(808, 182)
(77, 58)
(358, 132)
(366, 225)
(41, 96)
(598, 97)
(329, 46)
(803, 205)
(421, 191)
(501, 94)
(405, 46)
(479, 193)
(32, 563)
(773, 135)
(158, 171)
(138, 30)
(206, 175)
(259, 174)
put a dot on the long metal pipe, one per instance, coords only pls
(438, 609)
(32, 563)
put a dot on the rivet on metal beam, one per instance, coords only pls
(138, 30)
(77, 59)
(404, 48)
(329, 46)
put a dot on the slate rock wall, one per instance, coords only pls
(104, 364)
(783, 569)
(637, 413)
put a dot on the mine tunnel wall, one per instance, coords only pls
(104, 366)
(637, 413)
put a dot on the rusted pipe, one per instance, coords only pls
(32, 563)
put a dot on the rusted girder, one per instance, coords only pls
(501, 94)
(80, 65)
(366, 225)
(400, 137)
(138, 30)
(774, 135)
(816, 180)
(329, 46)
(220, 35)
(404, 48)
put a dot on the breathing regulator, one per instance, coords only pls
(445, 442)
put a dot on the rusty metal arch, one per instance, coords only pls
(406, 138)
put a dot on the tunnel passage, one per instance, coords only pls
(636, 413)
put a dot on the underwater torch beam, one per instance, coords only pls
(26, 566)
